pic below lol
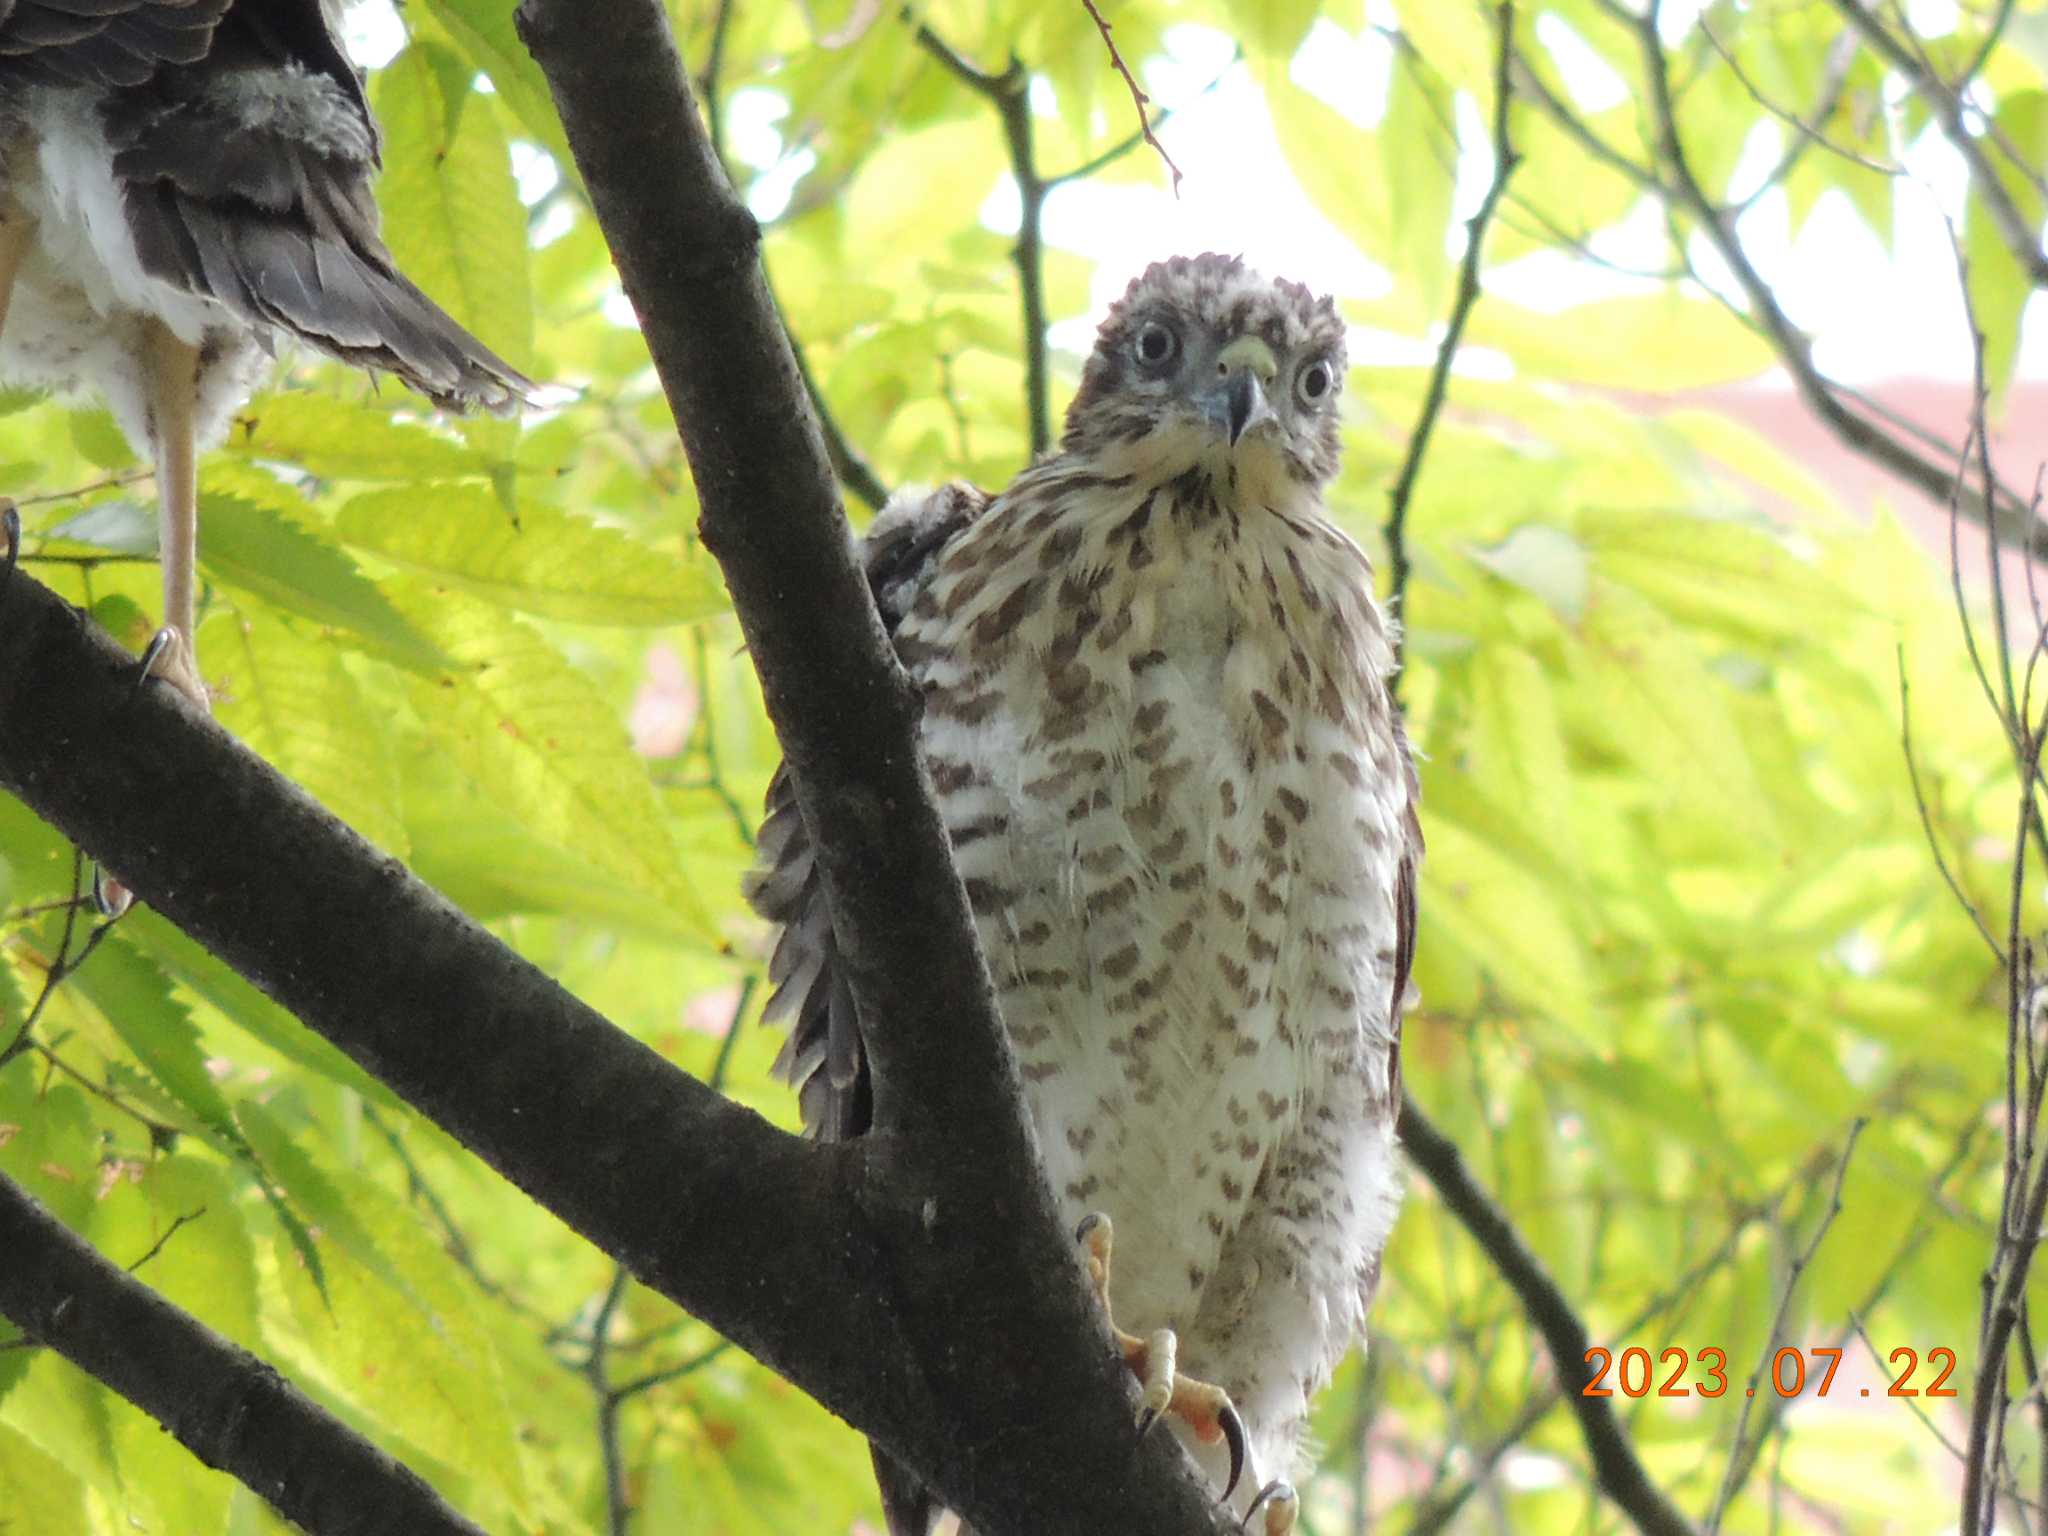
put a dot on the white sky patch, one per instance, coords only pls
(372, 33)
(1873, 309)
(1349, 74)
(1591, 80)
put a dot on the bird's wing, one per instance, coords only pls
(100, 42)
(825, 1057)
(1404, 903)
(247, 178)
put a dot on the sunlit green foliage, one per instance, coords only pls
(1680, 923)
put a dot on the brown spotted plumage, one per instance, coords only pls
(1158, 724)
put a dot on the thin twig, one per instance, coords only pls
(1618, 1470)
(1505, 158)
(1138, 97)
(165, 1236)
(1927, 815)
(1144, 135)
(1808, 131)
(1742, 1455)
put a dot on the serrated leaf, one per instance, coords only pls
(289, 697)
(530, 732)
(254, 548)
(453, 216)
(345, 439)
(484, 31)
(204, 974)
(551, 563)
(134, 997)
(405, 1345)
(305, 1197)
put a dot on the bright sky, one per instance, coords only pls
(1873, 313)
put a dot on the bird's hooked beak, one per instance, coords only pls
(1245, 368)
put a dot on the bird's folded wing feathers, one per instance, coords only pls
(100, 42)
(824, 1056)
(270, 212)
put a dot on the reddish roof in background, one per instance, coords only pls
(2019, 442)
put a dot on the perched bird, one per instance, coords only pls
(1158, 723)
(182, 182)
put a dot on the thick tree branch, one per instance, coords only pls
(1003, 1335)
(702, 1197)
(224, 1405)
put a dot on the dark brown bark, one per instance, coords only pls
(224, 1405)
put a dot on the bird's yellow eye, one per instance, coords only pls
(1313, 383)
(1156, 344)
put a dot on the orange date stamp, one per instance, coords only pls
(1636, 1376)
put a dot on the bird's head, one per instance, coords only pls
(1204, 364)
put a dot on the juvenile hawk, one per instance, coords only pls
(1158, 724)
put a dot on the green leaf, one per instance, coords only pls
(1542, 560)
(484, 32)
(1665, 342)
(349, 439)
(207, 976)
(548, 563)
(134, 997)
(256, 549)
(452, 212)
(37, 1492)
(1338, 164)
(286, 693)
(1419, 150)
(531, 734)
(406, 1347)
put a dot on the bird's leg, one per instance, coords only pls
(1205, 1409)
(173, 385)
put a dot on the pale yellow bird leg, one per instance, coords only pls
(1204, 1408)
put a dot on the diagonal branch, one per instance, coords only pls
(701, 1196)
(223, 1404)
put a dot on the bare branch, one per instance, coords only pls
(1138, 97)
(1742, 1456)
(1505, 159)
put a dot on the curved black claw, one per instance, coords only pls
(159, 642)
(1279, 1488)
(1233, 1435)
(1088, 1224)
(109, 895)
